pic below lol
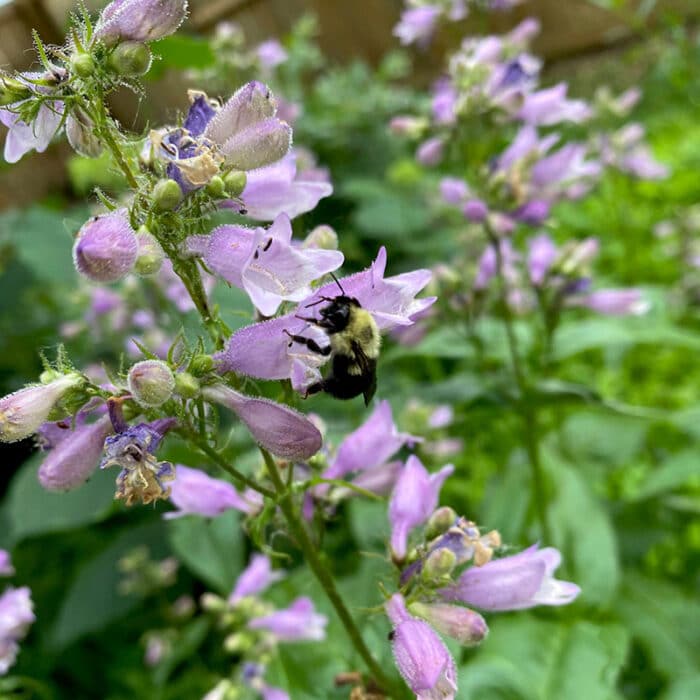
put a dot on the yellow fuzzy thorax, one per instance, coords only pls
(362, 329)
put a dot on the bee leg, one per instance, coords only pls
(310, 343)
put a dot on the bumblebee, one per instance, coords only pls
(354, 342)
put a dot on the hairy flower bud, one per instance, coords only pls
(201, 364)
(22, 413)
(440, 521)
(82, 64)
(106, 248)
(140, 20)
(150, 256)
(166, 195)
(439, 564)
(186, 385)
(151, 382)
(12, 91)
(235, 183)
(323, 237)
(460, 623)
(130, 59)
(216, 187)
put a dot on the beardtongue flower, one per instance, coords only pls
(278, 428)
(455, 621)
(142, 476)
(417, 24)
(263, 350)
(550, 106)
(16, 615)
(613, 302)
(71, 462)
(270, 54)
(265, 262)
(420, 655)
(193, 492)
(430, 152)
(6, 568)
(514, 583)
(541, 256)
(256, 578)
(413, 500)
(298, 622)
(106, 247)
(140, 20)
(23, 412)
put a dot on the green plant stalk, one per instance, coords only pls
(525, 409)
(105, 132)
(325, 578)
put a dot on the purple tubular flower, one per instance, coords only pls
(106, 247)
(298, 622)
(256, 578)
(16, 616)
(280, 188)
(430, 152)
(417, 25)
(444, 103)
(22, 137)
(533, 213)
(72, 461)
(550, 106)
(455, 621)
(6, 568)
(413, 500)
(23, 412)
(269, 692)
(266, 263)
(566, 166)
(271, 54)
(542, 255)
(614, 302)
(421, 656)
(193, 492)
(453, 190)
(140, 20)
(262, 350)
(278, 428)
(514, 583)
(476, 211)
(371, 445)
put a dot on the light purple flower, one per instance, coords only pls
(453, 190)
(430, 152)
(488, 264)
(514, 583)
(265, 262)
(444, 104)
(298, 622)
(24, 411)
(441, 417)
(271, 54)
(140, 20)
(6, 568)
(542, 255)
(263, 349)
(525, 145)
(556, 174)
(550, 106)
(194, 492)
(413, 500)
(476, 211)
(278, 428)
(256, 578)
(16, 616)
(269, 692)
(22, 137)
(282, 188)
(455, 621)
(421, 656)
(371, 445)
(613, 302)
(533, 213)
(417, 25)
(72, 460)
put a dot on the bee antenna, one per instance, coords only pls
(340, 286)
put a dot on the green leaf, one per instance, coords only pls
(538, 660)
(32, 510)
(211, 549)
(671, 474)
(93, 600)
(180, 51)
(684, 689)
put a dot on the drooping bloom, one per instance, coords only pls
(256, 578)
(140, 20)
(194, 492)
(142, 476)
(413, 500)
(71, 462)
(542, 255)
(106, 247)
(513, 583)
(421, 656)
(278, 428)
(298, 622)
(265, 262)
(613, 302)
(16, 616)
(417, 25)
(551, 106)
(23, 412)
(6, 568)
(263, 349)
(455, 621)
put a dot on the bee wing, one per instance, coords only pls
(369, 370)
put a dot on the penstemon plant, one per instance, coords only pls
(234, 157)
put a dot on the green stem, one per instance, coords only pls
(525, 408)
(324, 576)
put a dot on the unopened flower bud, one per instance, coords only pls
(166, 195)
(151, 382)
(216, 187)
(82, 64)
(235, 183)
(476, 211)
(323, 237)
(106, 248)
(440, 521)
(130, 59)
(238, 643)
(460, 623)
(150, 255)
(439, 564)
(186, 385)
(140, 20)
(212, 603)
(12, 91)
(201, 364)
(24, 411)
(80, 130)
